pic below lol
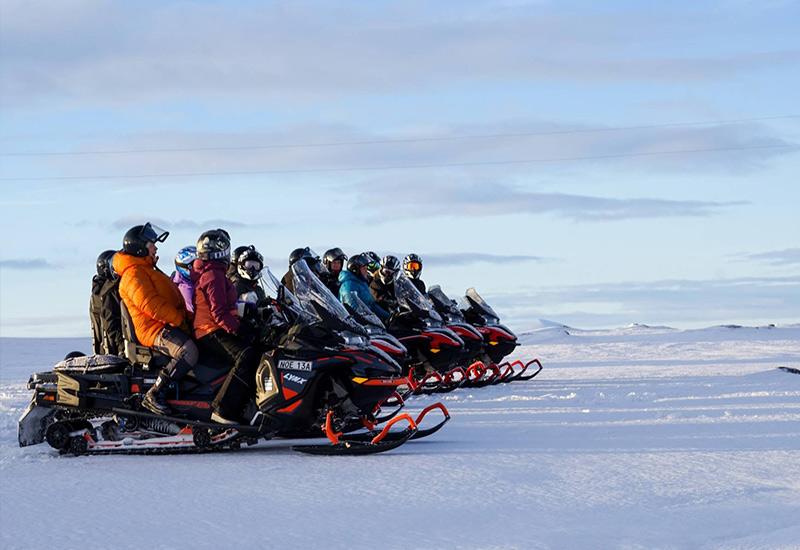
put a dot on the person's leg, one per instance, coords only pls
(239, 385)
(181, 348)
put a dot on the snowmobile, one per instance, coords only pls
(499, 342)
(322, 379)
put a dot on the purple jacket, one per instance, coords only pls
(186, 286)
(214, 299)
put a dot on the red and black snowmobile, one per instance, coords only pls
(321, 379)
(499, 342)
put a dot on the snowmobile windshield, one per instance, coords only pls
(274, 288)
(311, 291)
(363, 313)
(152, 233)
(412, 299)
(474, 299)
(444, 305)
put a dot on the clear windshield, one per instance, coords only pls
(443, 303)
(272, 284)
(363, 312)
(310, 290)
(475, 299)
(407, 295)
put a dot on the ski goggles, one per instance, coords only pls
(388, 273)
(414, 266)
(373, 266)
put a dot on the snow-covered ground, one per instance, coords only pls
(640, 437)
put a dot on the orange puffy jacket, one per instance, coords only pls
(151, 297)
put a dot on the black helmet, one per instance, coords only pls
(412, 265)
(390, 265)
(311, 258)
(104, 267)
(332, 255)
(250, 263)
(214, 244)
(237, 252)
(355, 264)
(374, 261)
(135, 240)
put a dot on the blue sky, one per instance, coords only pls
(530, 149)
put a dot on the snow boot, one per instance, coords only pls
(155, 399)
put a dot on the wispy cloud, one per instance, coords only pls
(468, 258)
(27, 264)
(494, 199)
(787, 256)
(129, 221)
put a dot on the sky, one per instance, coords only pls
(595, 164)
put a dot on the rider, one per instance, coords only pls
(234, 258)
(310, 257)
(382, 285)
(334, 260)
(156, 307)
(373, 266)
(412, 267)
(354, 279)
(104, 310)
(183, 276)
(216, 325)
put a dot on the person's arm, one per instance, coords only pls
(217, 295)
(143, 295)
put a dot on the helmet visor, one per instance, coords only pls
(153, 233)
(414, 266)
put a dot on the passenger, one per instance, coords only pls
(374, 265)
(216, 325)
(412, 266)
(247, 273)
(354, 279)
(333, 260)
(234, 257)
(310, 257)
(157, 309)
(104, 311)
(183, 275)
(382, 286)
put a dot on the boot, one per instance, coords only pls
(219, 419)
(155, 399)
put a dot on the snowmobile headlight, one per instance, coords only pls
(266, 385)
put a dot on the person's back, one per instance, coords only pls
(104, 308)
(354, 279)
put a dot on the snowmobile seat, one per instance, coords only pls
(135, 352)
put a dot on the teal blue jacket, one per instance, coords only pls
(351, 283)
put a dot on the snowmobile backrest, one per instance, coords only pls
(134, 351)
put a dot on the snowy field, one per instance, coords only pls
(632, 438)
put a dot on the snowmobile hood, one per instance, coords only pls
(123, 262)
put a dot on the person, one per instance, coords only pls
(307, 255)
(374, 264)
(216, 325)
(104, 310)
(157, 309)
(234, 258)
(382, 285)
(412, 267)
(354, 279)
(247, 273)
(333, 260)
(183, 276)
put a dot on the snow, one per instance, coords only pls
(637, 437)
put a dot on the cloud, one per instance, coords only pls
(671, 302)
(129, 221)
(788, 256)
(414, 200)
(27, 264)
(467, 258)
(291, 51)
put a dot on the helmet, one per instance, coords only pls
(332, 255)
(184, 259)
(355, 264)
(135, 240)
(311, 258)
(250, 263)
(412, 265)
(236, 252)
(374, 261)
(390, 265)
(214, 244)
(104, 268)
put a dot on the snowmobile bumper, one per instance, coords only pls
(33, 423)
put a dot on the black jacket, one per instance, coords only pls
(383, 293)
(105, 316)
(419, 284)
(331, 281)
(243, 286)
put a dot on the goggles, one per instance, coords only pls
(414, 266)
(373, 266)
